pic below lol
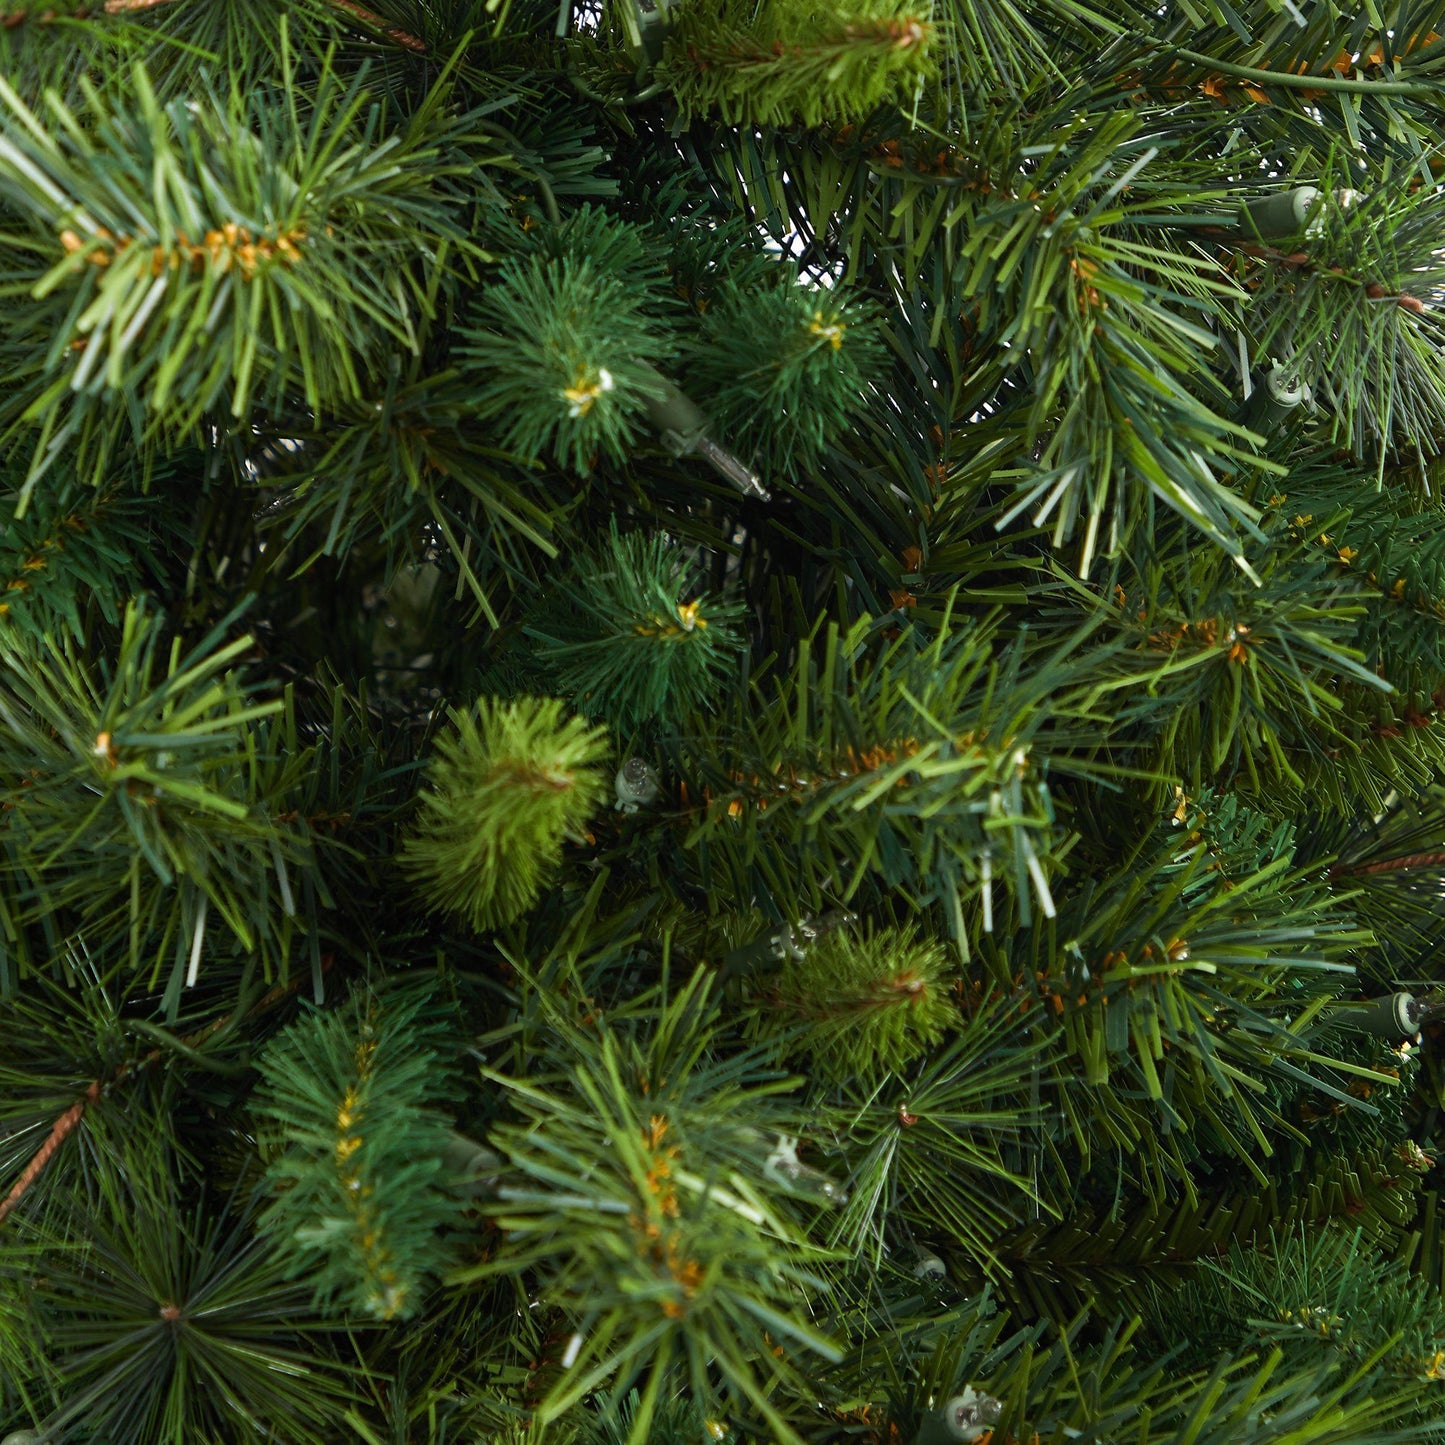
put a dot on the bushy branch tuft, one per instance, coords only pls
(508, 787)
(791, 60)
(785, 368)
(559, 353)
(865, 1004)
(359, 1201)
(631, 641)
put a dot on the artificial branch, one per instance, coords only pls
(9, 20)
(188, 1047)
(1409, 863)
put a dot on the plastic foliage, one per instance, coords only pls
(1100, 315)
(1315, 1294)
(631, 641)
(25, 1368)
(509, 784)
(359, 1200)
(1241, 841)
(149, 787)
(927, 1148)
(559, 348)
(784, 368)
(626, 252)
(75, 557)
(1354, 326)
(920, 764)
(785, 61)
(861, 1004)
(1164, 981)
(1375, 854)
(677, 1422)
(251, 282)
(648, 1193)
(174, 1323)
(415, 456)
(1250, 678)
(1077, 1379)
(73, 1032)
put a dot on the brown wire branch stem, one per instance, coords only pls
(59, 1132)
(392, 32)
(10, 19)
(67, 1123)
(1302, 261)
(1407, 864)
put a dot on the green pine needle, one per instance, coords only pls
(631, 640)
(509, 785)
(242, 280)
(794, 60)
(174, 1324)
(359, 1199)
(648, 1189)
(784, 370)
(865, 1004)
(1316, 1295)
(558, 354)
(174, 773)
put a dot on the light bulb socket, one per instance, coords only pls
(1285, 213)
(1286, 389)
(928, 1265)
(469, 1169)
(679, 421)
(645, 25)
(965, 1419)
(1391, 1016)
(1276, 398)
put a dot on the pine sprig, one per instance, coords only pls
(861, 1004)
(560, 355)
(74, 560)
(1372, 352)
(250, 283)
(921, 763)
(1056, 1379)
(1256, 671)
(630, 638)
(1173, 984)
(174, 1323)
(925, 1150)
(1314, 1296)
(357, 1151)
(648, 1189)
(510, 783)
(785, 369)
(784, 61)
(155, 768)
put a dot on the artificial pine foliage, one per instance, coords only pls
(785, 369)
(508, 787)
(566, 332)
(630, 641)
(345, 1226)
(721, 720)
(863, 1004)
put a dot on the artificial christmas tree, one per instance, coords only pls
(721, 721)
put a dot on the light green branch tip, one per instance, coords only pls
(510, 783)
